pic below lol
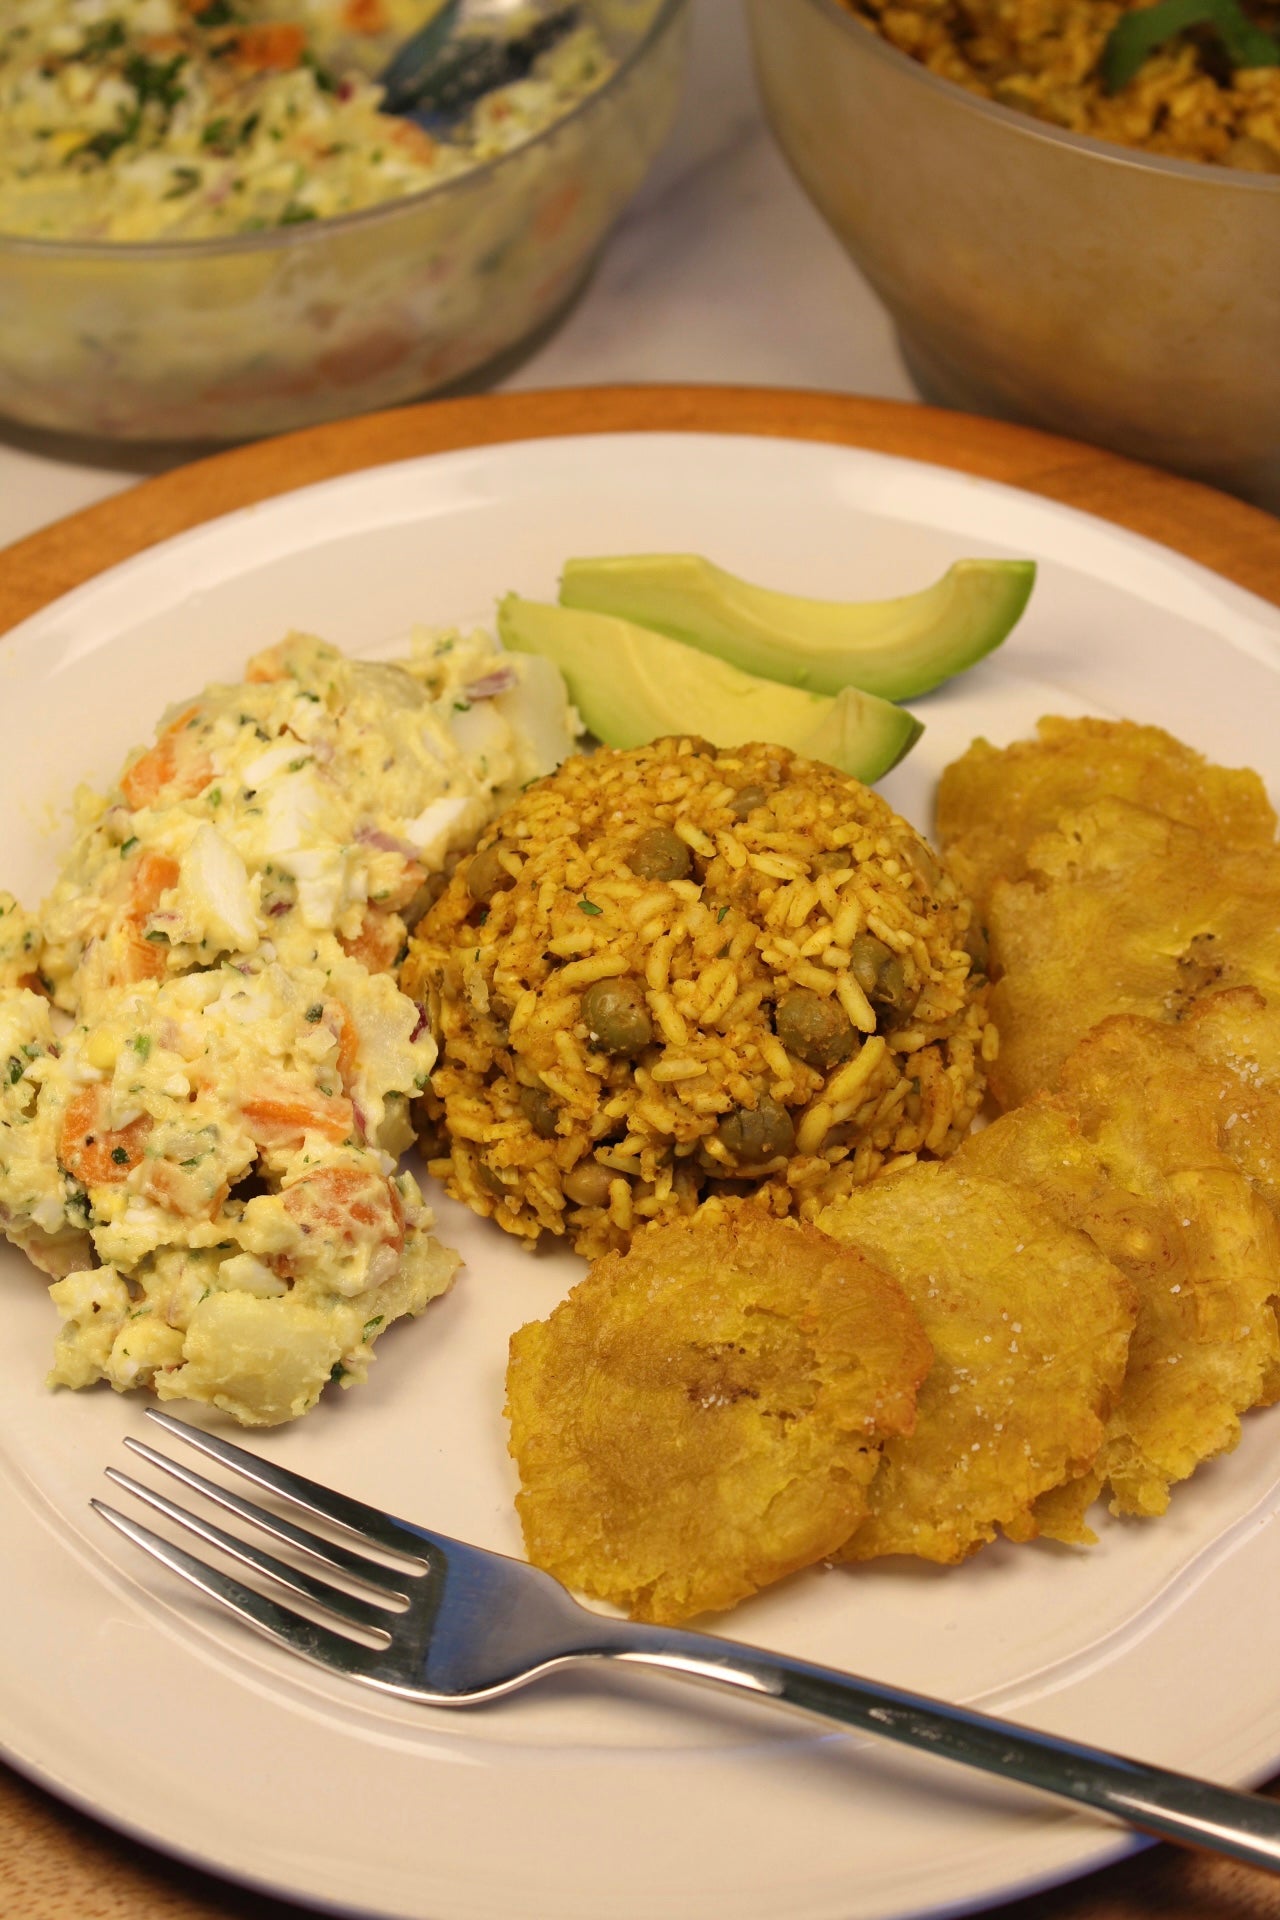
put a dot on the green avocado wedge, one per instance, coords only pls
(631, 685)
(894, 648)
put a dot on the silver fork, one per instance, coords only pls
(454, 1625)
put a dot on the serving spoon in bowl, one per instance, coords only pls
(467, 48)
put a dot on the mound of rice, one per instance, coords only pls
(677, 972)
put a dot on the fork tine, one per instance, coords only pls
(372, 1573)
(371, 1522)
(345, 1606)
(291, 1630)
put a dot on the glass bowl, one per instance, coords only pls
(260, 333)
(1115, 296)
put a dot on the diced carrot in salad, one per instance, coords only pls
(379, 942)
(170, 765)
(345, 1199)
(271, 47)
(278, 1116)
(93, 1153)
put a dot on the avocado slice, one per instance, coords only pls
(632, 685)
(896, 648)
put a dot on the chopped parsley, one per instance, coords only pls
(589, 906)
(103, 145)
(1144, 30)
(156, 80)
(105, 36)
(325, 80)
(185, 180)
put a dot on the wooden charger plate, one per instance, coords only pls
(55, 1862)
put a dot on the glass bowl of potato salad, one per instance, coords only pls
(206, 1063)
(210, 228)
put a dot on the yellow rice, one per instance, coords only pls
(711, 955)
(1041, 57)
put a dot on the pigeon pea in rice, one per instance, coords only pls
(673, 973)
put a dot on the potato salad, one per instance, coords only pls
(206, 1063)
(141, 120)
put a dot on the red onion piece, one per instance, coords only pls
(500, 680)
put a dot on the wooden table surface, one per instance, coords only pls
(55, 1862)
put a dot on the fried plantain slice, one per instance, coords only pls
(993, 802)
(1123, 911)
(1128, 1152)
(1041, 1148)
(704, 1413)
(1206, 1347)
(1238, 1031)
(1030, 1326)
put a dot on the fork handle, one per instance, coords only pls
(1168, 1805)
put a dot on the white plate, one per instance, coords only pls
(586, 1799)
